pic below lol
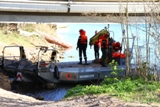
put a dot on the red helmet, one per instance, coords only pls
(81, 30)
(118, 44)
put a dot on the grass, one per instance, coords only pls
(14, 38)
(127, 88)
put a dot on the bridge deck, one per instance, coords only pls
(83, 11)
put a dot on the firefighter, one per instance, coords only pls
(104, 49)
(82, 45)
(96, 32)
(22, 52)
(97, 45)
(110, 48)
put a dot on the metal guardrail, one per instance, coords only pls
(85, 0)
(78, 7)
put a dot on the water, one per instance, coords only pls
(71, 34)
(55, 94)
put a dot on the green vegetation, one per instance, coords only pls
(29, 28)
(13, 37)
(133, 88)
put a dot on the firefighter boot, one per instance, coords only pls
(80, 61)
(85, 60)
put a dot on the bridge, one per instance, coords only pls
(74, 11)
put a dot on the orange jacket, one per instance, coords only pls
(83, 39)
(97, 43)
(104, 43)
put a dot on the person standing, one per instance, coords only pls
(96, 49)
(96, 32)
(110, 47)
(82, 45)
(104, 49)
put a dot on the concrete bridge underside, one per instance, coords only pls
(74, 11)
(6, 17)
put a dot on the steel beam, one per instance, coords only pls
(63, 18)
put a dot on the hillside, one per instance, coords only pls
(25, 35)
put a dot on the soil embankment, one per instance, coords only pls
(9, 99)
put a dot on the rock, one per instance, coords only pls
(40, 98)
(50, 85)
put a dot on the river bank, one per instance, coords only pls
(10, 99)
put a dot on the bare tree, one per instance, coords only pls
(150, 26)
